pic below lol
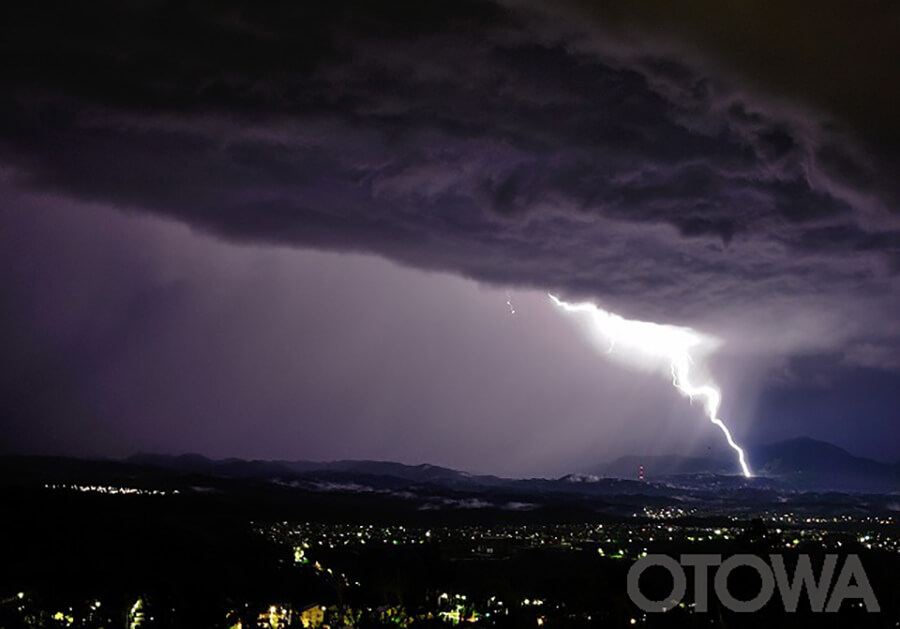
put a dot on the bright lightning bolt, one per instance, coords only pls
(668, 341)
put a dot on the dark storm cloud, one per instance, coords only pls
(647, 165)
(833, 56)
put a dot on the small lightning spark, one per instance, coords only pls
(668, 341)
(512, 309)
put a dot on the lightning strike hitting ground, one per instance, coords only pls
(668, 341)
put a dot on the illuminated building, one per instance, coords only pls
(312, 616)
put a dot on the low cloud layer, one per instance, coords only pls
(489, 140)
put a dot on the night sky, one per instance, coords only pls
(290, 229)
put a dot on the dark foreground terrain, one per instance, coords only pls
(107, 544)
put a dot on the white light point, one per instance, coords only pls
(667, 341)
(512, 309)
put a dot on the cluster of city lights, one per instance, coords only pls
(112, 490)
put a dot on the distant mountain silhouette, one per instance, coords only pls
(808, 463)
(234, 468)
(238, 468)
(803, 463)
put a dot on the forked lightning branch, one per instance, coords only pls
(670, 342)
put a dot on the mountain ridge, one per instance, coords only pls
(802, 462)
